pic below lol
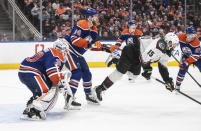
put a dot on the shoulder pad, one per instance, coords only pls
(83, 24)
(182, 37)
(195, 42)
(124, 32)
(138, 32)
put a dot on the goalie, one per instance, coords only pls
(158, 51)
(42, 75)
(127, 36)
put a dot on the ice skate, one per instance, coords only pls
(73, 105)
(91, 99)
(33, 114)
(98, 90)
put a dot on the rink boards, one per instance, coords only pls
(12, 53)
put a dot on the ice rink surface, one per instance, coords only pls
(140, 106)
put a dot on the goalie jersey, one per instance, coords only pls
(44, 63)
(81, 36)
(156, 52)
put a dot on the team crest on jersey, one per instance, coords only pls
(161, 46)
(187, 51)
(58, 62)
(78, 32)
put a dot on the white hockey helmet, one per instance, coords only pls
(172, 40)
(63, 45)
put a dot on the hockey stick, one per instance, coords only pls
(188, 72)
(182, 93)
(68, 98)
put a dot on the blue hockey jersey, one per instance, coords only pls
(81, 36)
(46, 62)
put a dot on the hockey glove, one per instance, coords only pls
(184, 65)
(113, 47)
(169, 84)
(147, 74)
(96, 45)
(113, 61)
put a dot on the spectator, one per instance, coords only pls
(60, 11)
(151, 15)
(55, 5)
(35, 11)
(45, 15)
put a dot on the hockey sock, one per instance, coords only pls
(87, 87)
(73, 85)
(107, 83)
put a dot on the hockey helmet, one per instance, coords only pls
(190, 30)
(90, 12)
(61, 44)
(131, 22)
(173, 38)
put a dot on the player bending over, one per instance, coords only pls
(190, 47)
(158, 51)
(42, 75)
(126, 36)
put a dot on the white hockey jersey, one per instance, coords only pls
(156, 52)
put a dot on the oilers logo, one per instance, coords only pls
(187, 51)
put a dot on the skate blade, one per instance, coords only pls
(25, 117)
(92, 103)
(72, 108)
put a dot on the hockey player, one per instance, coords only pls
(83, 37)
(42, 75)
(126, 36)
(190, 47)
(158, 51)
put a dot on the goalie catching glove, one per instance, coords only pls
(169, 84)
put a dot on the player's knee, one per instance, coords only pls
(115, 76)
(76, 74)
(87, 76)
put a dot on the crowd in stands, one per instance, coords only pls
(150, 15)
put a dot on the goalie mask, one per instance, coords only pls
(62, 45)
(172, 40)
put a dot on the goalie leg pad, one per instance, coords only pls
(47, 101)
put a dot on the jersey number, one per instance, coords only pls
(150, 53)
(35, 57)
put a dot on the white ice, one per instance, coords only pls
(141, 106)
